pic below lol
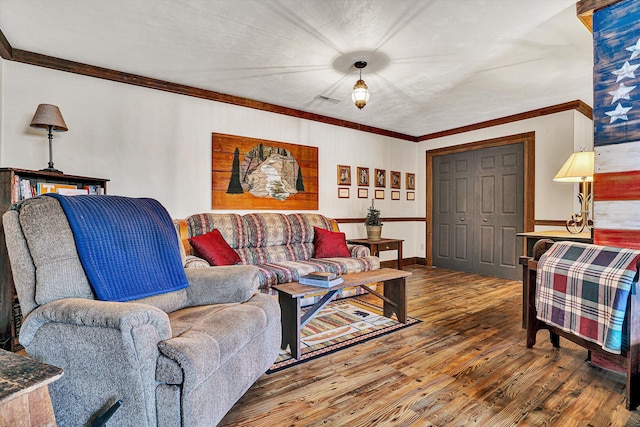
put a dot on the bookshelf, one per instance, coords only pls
(10, 316)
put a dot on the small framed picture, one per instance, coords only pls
(363, 193)
(411, 181)
(363, 176)
(411, 195)
(395, 195)
(395, 178)
(343, 193)
(379, 194)
(344, 175)
(381, 178)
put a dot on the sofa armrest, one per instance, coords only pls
(359, 251)
(221, 285)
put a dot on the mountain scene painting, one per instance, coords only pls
(249, 173)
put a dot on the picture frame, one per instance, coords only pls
(411, 181)
(344, 175)
(411, 195)
(379, 194)
(343, 192)
(395, 195)
(395, 180)
(363, 176)
(363, 193)
(381, 178)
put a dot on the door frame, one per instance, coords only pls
(528, 139)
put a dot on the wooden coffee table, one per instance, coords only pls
(394, 297)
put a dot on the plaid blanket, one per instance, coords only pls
(583, 289)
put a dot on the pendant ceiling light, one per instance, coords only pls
(360, 93)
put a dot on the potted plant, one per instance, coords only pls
(373, 223)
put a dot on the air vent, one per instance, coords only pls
(327, 99)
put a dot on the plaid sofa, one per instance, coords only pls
(280, 245)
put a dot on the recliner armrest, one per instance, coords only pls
(221, 285)
(123, 316)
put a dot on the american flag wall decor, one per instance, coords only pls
(616, 119)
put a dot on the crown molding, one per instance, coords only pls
(577, 105)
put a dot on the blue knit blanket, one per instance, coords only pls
(128, 247)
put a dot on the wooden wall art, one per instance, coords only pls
(250, 173)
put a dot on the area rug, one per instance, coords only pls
(341, 324)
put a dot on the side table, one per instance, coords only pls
(24, 394)
(377, 246)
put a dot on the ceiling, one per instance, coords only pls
(434, 65)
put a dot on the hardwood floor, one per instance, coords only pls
(466, 364)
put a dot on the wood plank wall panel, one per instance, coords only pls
(616, 206)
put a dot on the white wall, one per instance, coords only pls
(157, 144)
(556, 137)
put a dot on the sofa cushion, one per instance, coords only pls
(349, 265)
(59, 273)
(231, 226)
(282, 253)
(303, 224)
(268, 229)
(204, 338)
(329, 244)
(213, 248)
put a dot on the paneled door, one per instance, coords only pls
(453, 211)
(478, 208)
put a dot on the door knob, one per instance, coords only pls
(462, 219)
(485, 220)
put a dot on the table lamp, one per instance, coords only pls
(48, 116)
(579, 168)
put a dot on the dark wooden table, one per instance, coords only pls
(531, 237)
(24, 395)
(394, 297)
(377, 246)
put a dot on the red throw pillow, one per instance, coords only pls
(329, 244)
(212, 247)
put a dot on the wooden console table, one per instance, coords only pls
(24, 395)
(377, 246)
(532, 237)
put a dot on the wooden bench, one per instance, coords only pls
(629, 359)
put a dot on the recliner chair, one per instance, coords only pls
(181, 358)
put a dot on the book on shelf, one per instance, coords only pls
(322, 282)
(72, 191)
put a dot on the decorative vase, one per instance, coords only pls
(374, 232)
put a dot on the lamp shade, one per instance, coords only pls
(49, 115)
(578, 167)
